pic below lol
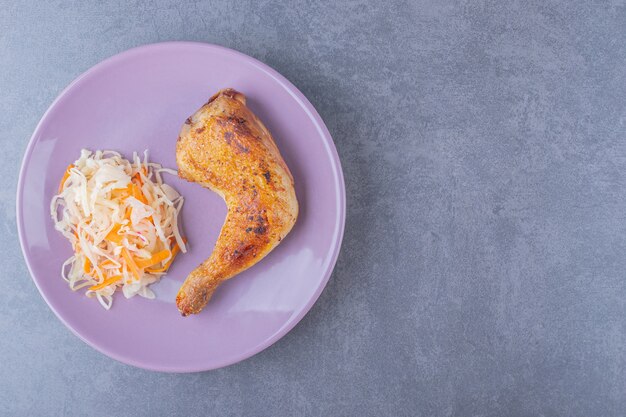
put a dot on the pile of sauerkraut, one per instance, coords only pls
(122, 222)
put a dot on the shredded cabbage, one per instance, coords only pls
(122, 222)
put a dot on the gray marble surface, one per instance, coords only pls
(484, 261)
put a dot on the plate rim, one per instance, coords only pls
(329, 144)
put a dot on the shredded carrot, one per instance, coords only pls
(66, 175)
(153, 260)
(165, 267)
(140, 195)
(105, 283)
(120, 193)
(127, 214)
(106, 262)
(113, 236)
(87, 265)
(130, 263)
(136, 192)
(137, 179)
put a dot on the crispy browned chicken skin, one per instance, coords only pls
(226, 148)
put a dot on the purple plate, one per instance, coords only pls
(138, 100)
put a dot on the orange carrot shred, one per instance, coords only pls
(87, 265)
(113, 236)
(167, 265)
(106, 262)
(120, 193)
(130, 263)
(66, 175)
(136, 192)
(105, 283)
(153, 260)
(137, 179)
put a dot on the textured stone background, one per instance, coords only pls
(482, 271)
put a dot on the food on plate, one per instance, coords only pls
(226, 148)
(122, 222)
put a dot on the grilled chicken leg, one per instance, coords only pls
(226, 148)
